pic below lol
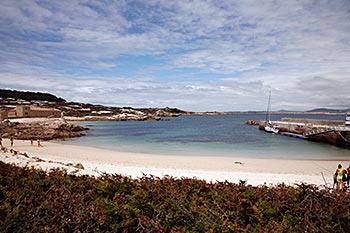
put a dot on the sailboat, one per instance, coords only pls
(268, 125)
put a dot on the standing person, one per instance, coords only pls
(0, 142)
(348, 177)
(31, 141)
(345, 179)
(335, 181)
(39, 144)
(11, 141)
(340, 174)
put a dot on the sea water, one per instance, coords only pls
(211, 135)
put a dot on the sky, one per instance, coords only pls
(195, 55)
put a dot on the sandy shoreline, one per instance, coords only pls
(97, 161)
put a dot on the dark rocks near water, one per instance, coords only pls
(78, 165)
(340, 139)
(252, 122)
(45, 130)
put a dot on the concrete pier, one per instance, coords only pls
(332, 132)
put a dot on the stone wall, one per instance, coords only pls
(313, 121)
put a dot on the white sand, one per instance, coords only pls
(97, 161)
(33, 120)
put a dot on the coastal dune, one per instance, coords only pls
(83, 160)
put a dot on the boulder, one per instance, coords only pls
(252, 122)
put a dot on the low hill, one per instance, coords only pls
(329, 110)
(91, 111)
(28, 95)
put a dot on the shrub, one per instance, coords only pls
(34, 201)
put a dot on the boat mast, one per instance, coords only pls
(268, 109)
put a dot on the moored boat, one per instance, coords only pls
(269, 127)
(347, 119)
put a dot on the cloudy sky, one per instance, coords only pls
(195, 55)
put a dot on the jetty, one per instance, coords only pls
(321, 130)
(328, 131)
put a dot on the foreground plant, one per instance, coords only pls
(35, 201)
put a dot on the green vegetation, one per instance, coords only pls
(35, 201)
(28, 95)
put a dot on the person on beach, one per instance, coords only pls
(11, 141)
(345, 179)
(340, 173)
(31, 141)
(39, 144)
(348, 176)
(335, 182)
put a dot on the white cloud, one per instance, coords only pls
(300, 49)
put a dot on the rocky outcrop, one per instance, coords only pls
(330, 137)
(96, 112)
(43, 130)
(118, 117)
(340, 139)
(129, 114)
(252, 122)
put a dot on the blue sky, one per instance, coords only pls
(194, 55)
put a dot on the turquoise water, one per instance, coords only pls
(220, 135)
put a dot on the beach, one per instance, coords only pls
(95, 162)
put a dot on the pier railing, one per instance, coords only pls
(321, 130)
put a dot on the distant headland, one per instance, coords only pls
(48, 105)
(33, 115)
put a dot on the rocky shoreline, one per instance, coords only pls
(46, 130)
(128, 115)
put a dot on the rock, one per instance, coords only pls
(79, 166)
(45, 131)
(330, 137)
(252, 122)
